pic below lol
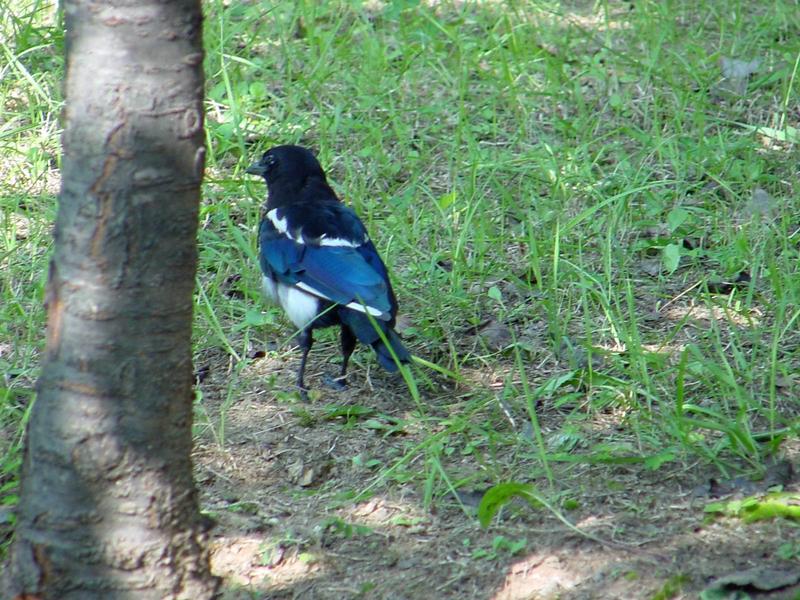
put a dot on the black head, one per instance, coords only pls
(288, 165)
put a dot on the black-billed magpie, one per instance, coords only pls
(319, 264)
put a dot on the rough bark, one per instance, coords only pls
(108, 507)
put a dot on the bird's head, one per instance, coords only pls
(287, 165)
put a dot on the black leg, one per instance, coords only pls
(305, 340)
(348, 345)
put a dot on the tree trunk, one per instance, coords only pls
(108, 507)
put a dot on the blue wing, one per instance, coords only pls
(348, 274)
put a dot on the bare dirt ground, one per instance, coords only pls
(301, 510)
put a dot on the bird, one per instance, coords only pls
(319, 264)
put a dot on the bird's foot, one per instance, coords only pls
(303, 391)
(336, 383)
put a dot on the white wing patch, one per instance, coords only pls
(326, 241)
(301, 302)
(357, 306)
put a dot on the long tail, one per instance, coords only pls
(364, 330)
(384, 355)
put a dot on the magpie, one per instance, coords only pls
(319, 264)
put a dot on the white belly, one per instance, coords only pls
(299, 306)
(270, 289)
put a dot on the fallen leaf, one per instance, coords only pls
(229, 287)
(651, 266)
(495, 335)
(578, 356)
(471, 498)
(295, 470)
(736, 73)
(733, 68)
(726, 287)
(403, 324)
(737, 485)
(274, 557)
(779, 472)
(308, 477)
(753, 580)
(761, 204)
(19, 224)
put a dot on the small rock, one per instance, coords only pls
(495, 335)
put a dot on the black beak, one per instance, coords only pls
(256, 169)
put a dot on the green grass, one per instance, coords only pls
(29, 104)
(582, 179)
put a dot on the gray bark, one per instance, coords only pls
(108, 507)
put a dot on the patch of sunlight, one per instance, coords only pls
(386, 514)
(703, 313)
(261, 562)
(669, 349)
(597, 21)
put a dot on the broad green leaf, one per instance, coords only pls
(501, 494)
(446, 200)
(677, 217)
(671, 256)
(653, 463)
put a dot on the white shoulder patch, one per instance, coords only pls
(282, 226)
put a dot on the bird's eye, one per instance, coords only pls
(269, 160)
